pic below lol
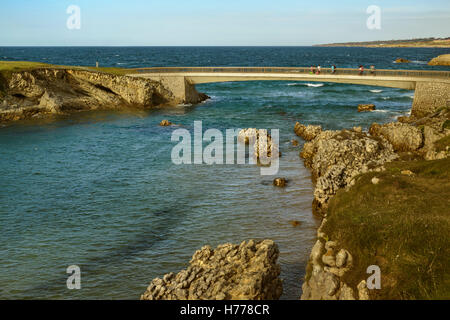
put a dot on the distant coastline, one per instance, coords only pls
(410, 43)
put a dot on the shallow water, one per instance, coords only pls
(98, 189)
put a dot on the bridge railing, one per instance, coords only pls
(296, 70)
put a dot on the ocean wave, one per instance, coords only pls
(376, 91)
(316, 85)
(383, 111)
(419, 62)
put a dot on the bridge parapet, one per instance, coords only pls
(297, 70)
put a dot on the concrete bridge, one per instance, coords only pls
(432, 88)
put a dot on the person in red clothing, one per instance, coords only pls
(361, 70)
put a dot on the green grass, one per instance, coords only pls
(442, 144)
(9, 67)
(401, 224)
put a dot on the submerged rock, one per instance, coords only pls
(402, 60)
(366, 107)
(248, 271)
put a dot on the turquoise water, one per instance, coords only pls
(98, 189)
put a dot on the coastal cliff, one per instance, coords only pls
(44, 91)
(382, 195)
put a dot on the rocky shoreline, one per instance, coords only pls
(336, 160)
(41, 92)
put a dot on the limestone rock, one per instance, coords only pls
(165, 123)
(402, 60)
(280, 182)
(308, 133)
(346, 293)
(407, 172)
(60, 91)
(375, 180)
(341, 258)
(402, 136)
(442, 60)
(363, 292)
(337, 157)
(366, 107)
(264, 148)
(248, 271)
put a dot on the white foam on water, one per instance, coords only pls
(315, 85)
(383, 111)
(376, 91)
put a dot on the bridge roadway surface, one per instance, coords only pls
(405, 79)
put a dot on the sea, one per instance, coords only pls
(99, 190)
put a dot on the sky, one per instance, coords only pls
(216, 22)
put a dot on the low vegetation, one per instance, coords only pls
(401, 224)
(8, 67)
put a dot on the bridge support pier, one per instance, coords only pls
(429, 97)
(183, 90)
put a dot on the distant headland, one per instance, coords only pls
(410, 43)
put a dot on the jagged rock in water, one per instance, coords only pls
(402, 136)
(248, 271)
(307, 132)
(264, 148)
(280, 182)
(165, 123)
(402, 60)
(366, 107)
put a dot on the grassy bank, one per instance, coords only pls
(9, 67)
(401, 224)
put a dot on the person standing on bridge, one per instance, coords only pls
(319, 69)
(333, 69)
(372, 70)
(361, 70)
(313, 70)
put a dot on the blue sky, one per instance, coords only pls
(217, 22)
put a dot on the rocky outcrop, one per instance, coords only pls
(402, 60)
(328, 263)
(442, 60)
(280, 182)
(58, 91)
(402, 136)
(308, 133)
(337, 157)
(264, 148)
(165, 123)
(430, 97)
(248, 271)
(366, 107)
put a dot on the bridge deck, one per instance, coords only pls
(405, 79)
